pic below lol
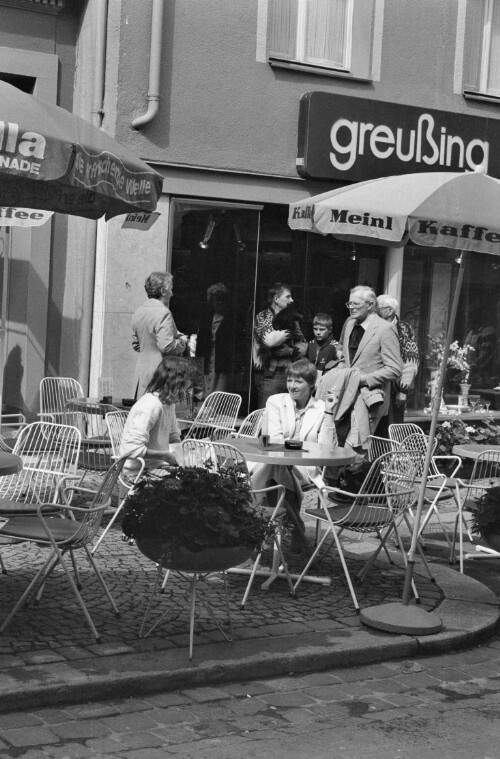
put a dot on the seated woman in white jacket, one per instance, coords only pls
(151, 430)
(296, 414)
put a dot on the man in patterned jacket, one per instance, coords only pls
(388, 308)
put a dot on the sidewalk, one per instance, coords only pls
(48, 655)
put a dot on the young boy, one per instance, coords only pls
(322, 350)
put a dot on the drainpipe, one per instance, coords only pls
(101, 10)
(154, 67)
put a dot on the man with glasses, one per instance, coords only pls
(388, 308)
(371, 360)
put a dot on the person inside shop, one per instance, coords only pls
(215, 339)
(289, 319)
(151, 430)
(322, 349)
(371, 360)
(296, 414)
(154, 333)
(482, 371)
(274, 349)
(388, 308)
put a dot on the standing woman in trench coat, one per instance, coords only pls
(154, 334)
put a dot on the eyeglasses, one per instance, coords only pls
(384, 308)
(354, 305)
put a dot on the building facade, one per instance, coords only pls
(245, 107)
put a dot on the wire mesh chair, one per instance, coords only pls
(11, 424)
(399, 432)
(115, 422)
(389, 489)
(250, 426)
(439, 486)
(90, 418)
(216, 417)
(55, 392)
(485, 474)
(62, 536)
(49, 453)
(377, 446)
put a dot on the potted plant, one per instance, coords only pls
(458, 364)
(486, 516)
(195, 519)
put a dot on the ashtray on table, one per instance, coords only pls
(293, 445)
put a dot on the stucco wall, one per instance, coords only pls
(41, 46)
(221, 107)
(125, 258)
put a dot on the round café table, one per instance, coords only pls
(311, 454)
(9, 463)
(472, 450)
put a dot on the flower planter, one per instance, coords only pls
(208, 560)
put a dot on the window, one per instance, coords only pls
(482, 47)
(335, 35)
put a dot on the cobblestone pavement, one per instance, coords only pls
(55, 628)
(48, 656)
(446, 706)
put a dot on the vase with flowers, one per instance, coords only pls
(458, 363)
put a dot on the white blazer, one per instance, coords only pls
(316, 427)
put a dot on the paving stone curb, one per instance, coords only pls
(469, 612)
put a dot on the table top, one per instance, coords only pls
(312, 454)
(484, 390)
(83, 404)
(10, 463)
(421, 416)
(472, 450)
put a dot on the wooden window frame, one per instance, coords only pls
(358, 42)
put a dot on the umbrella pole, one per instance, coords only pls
(403, 617)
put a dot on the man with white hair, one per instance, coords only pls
(371, 360)
(388, 308)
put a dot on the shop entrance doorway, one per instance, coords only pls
(239, 250)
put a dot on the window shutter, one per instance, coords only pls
(474, 24)
(282, 29)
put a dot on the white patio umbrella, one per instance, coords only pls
(439, 209)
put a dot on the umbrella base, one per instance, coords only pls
(398, 618)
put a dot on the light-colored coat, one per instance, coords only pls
(378, 358)
(154, 335)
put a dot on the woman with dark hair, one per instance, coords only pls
(274, 350)
(297, 415)
(151, 430)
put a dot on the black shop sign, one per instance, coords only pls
(353, 139)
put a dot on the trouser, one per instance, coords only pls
(270, 384)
